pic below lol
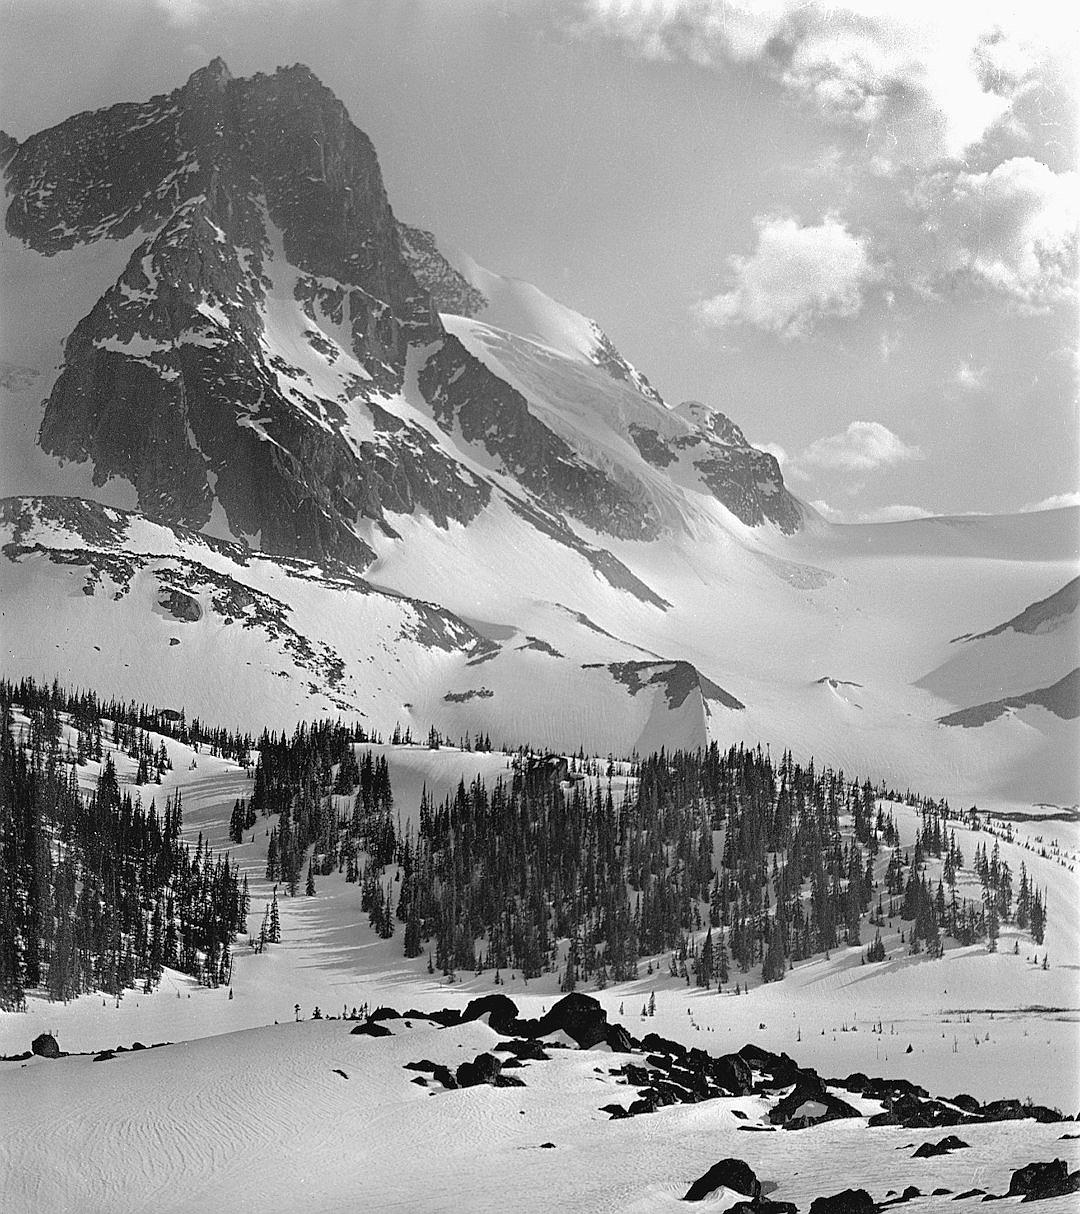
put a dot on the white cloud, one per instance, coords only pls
(187, 13)
(796, 276)
(880, 514)
(1055, 502)
(1013, 229)
(862, 447)
(888, 344)
(970, 377)
(928, 79)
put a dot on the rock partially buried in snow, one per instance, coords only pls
(850, 1201)
(1037, 1181)
(731, 1174)
(942, 1147)
(45, 1045)
(484, 1068)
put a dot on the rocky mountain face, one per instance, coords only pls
(253, 359)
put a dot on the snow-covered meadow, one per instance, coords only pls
(245, 1110)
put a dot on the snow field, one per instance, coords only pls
(994, 1026)
(259, 1120)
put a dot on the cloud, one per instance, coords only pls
(880, 514)
(1012, 229)
(970, 377)
(1055, 502)
(862, 447)
(187, 13)
(925, 79)
(795, 277)
(888, 344)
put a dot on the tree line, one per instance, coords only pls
(97, 891)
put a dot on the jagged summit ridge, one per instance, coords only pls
(250, 362)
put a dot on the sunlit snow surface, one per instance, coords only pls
(248, 1115)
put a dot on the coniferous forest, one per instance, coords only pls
(722, 862)
(559, 867)
(98, 891)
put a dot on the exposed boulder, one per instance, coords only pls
(850, 1201)
(526, 1048)
(579, 1016)
(443, 1074)
(371, 1028)
(763, 1205)
(942, 1147)
(909, 1194)
(45, 1045)
(1037, 1181)
(732, 1174)
(733, 1074)
(508, 1081)
(484, 1068)
(809, 1103)
(501, 1011)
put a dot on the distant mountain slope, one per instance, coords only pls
(168, 613)
(1047, 615)
(1062, 699)
(573, 379)
(1034, 649)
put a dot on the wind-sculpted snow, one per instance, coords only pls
(422, 1110)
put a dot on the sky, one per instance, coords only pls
(852, 228)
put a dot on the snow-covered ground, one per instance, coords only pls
(247, 1110)
(307, 1116)
(995, 1025)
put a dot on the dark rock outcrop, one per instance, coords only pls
(850, 1201)
(809, 1103)
(484, 1068)
(45, 1045)
(732, 1174)
(942, 1147)
(1037, 1181)
(371, 1028)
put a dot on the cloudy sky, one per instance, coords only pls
(851, 227)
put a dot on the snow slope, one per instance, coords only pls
(249, 1111)
(306, 1115)
(993, 1025)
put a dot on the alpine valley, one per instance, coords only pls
(273, 456)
